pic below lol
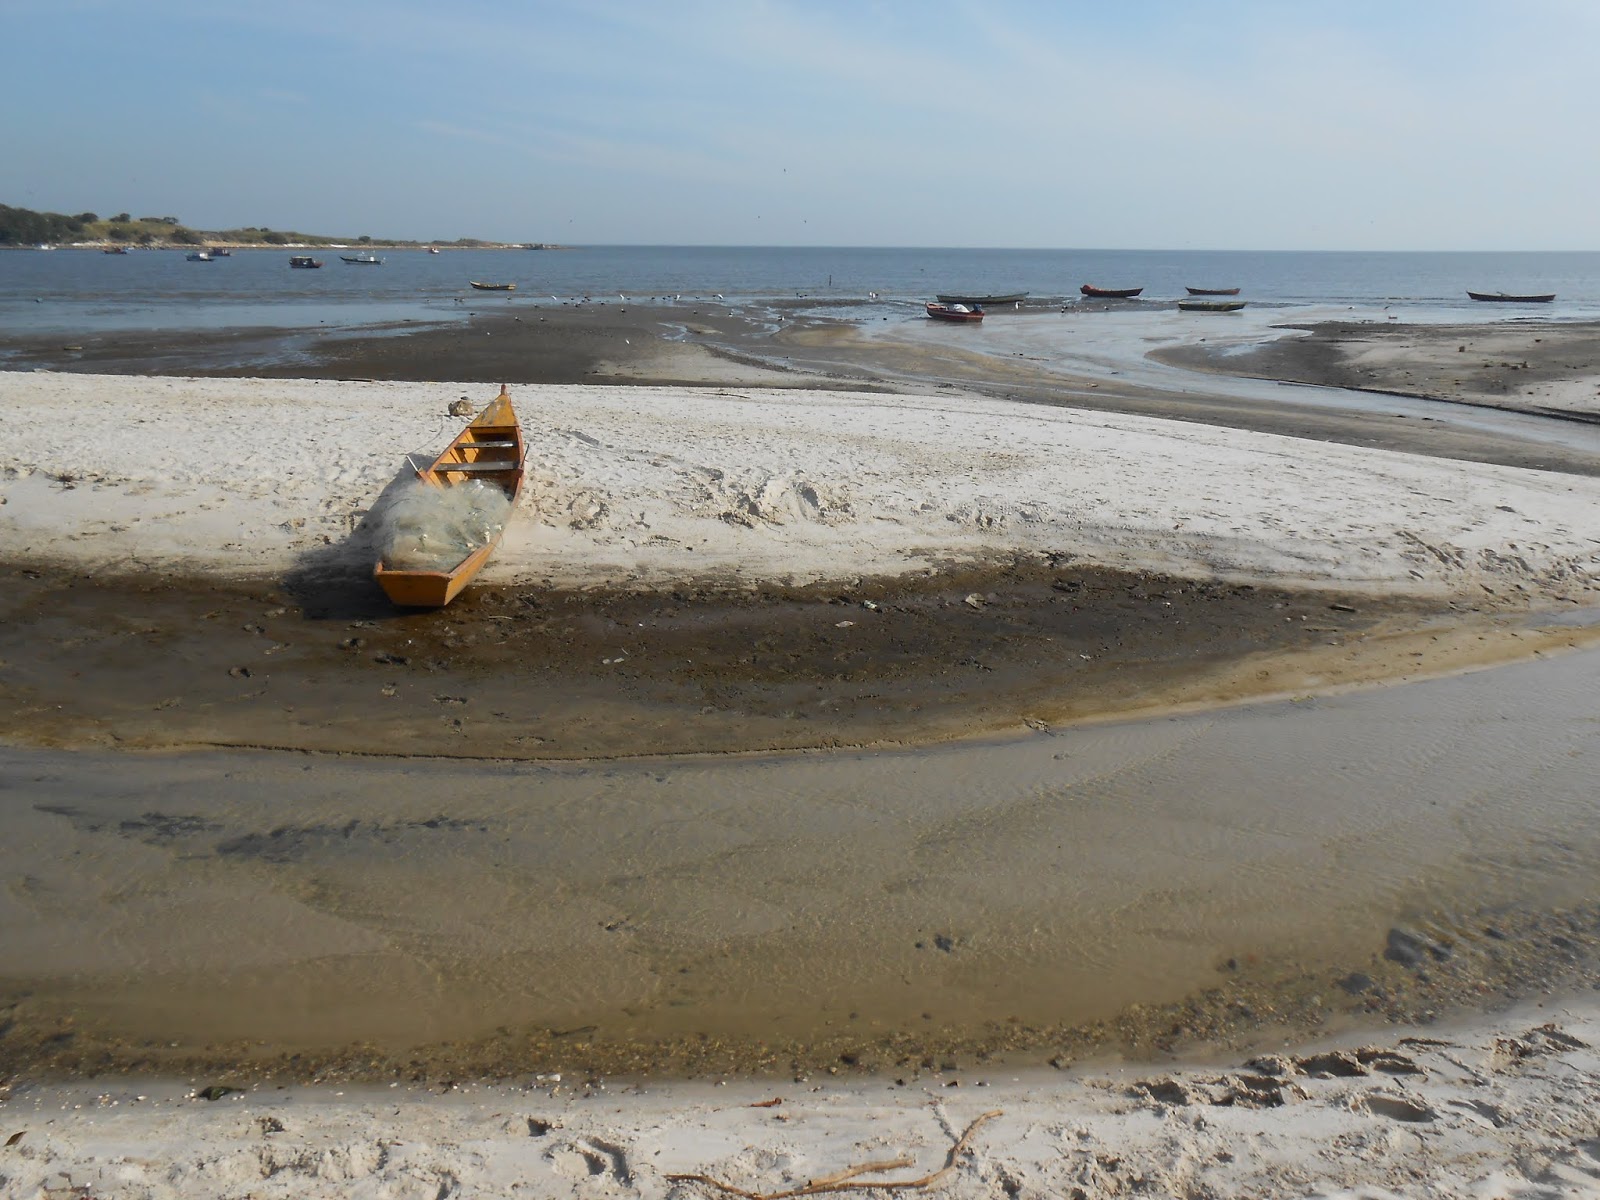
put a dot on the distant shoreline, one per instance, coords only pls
(423, 246)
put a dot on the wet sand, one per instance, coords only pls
(1221, 880)
(155, 663)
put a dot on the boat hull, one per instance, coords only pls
(493, 287)
(1194, 291)
(1010, 298)
(947, 312)
(1502, 298)
(491, 449)
(1210, 305)
(1098, 293)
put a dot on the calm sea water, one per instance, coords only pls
(67, 291)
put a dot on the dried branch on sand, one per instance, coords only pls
(849, 1179)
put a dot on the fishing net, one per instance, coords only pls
(432, 529)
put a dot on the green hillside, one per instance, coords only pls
(24, 227)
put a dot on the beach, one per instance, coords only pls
(1489, 1110)
(1000, 623)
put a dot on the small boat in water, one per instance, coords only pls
(304, 261)
(1210, 305)
(493, 287)
(433, 249)
(1100, 293)
(1502, 298)
(1194, 291)
(980, 301)
(114, 250)
(954, 312)
(220, 252)
(198, 256)
(489, 450)
(364, 259)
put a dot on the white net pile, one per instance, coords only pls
(432, 529)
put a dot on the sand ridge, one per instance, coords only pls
(646, 488)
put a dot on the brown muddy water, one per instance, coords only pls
(1189, 879)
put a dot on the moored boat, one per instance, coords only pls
(489, 451)
(304, 261)
(980, 301)
(114, 250)
(1503, 298)
(1194, 291)
(363, 259)
(493, 287)
(220, 252)
(954, 312)
(1210, 305)
(1100, 293)
(198, 256)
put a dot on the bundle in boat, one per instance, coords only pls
(439, 535)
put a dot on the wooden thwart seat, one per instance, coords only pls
(483, 464)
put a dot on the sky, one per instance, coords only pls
(1161, 124)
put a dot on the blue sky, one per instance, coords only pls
(1205, 124)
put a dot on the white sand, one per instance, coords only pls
(653, 486)
(1505, 1109)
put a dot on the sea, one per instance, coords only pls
(83, 290)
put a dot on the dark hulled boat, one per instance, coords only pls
(980, 301)
(1210, 305)
(1194, 291)
(1100, 293)
(1503, 298)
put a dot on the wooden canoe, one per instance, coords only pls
(980, 301)
(1099, 293)
(1210, 305)
(1505, 299)
(1194, 291)
(493, 287)
(490, 448)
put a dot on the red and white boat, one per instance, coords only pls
(954, 312)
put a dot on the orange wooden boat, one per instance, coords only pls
(490, 448)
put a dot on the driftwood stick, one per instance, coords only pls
(872, 1168)
(847, 1180)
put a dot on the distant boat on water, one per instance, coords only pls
(1210, 305)
(220, 252)
(958, 298)
(114, 250)
(1503, 298)
(1100, 293)
(954, 312)
(433, 249)
(1194, 291)
(198, 256)
(362, 258)
(493, 287)
(304, 260)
